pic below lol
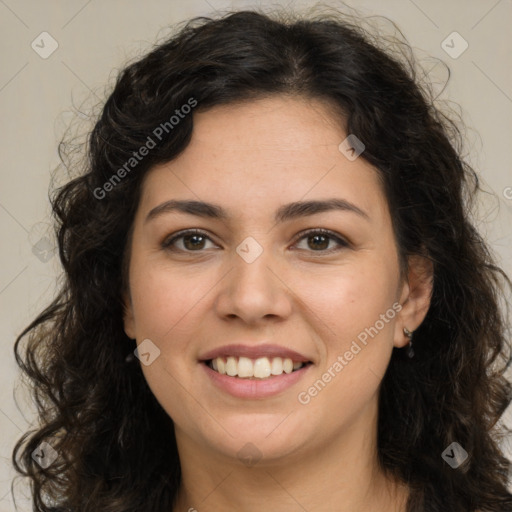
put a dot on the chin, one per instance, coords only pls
(265, 437)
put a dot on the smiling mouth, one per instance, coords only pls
(261, 368)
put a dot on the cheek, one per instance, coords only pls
(351, 299)
(355, 324)
(169, 309)
(164, 299)
(166, 308)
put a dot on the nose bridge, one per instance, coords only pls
(252, 262)
(253, 290)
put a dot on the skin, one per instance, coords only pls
(251, 158)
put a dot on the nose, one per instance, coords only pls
(254, 291)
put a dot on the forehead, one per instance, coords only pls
(277, 122)
(258, 154)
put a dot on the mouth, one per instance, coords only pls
(257, 371)
(262, 368)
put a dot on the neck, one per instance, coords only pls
(339, 474)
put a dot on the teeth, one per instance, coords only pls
(231, 367)
(277, 366)
(245, 367)
(260, 368)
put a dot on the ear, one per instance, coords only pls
(415, 296)
(128, 317)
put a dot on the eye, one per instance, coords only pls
(318, 240)
(193, 241)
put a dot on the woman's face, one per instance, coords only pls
(255, 288)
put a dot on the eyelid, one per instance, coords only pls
(341, 241)
(166, 244)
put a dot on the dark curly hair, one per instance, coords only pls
(117, 451)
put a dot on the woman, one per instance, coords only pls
(274, 296)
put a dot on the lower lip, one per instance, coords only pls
(255, 388)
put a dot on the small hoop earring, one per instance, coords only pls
(409, 350)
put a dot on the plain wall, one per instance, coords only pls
(39, 97)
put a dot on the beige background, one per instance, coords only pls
(39, 98)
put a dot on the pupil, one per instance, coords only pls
(195, 237)
(316, 237)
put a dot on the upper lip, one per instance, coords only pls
(254, 352)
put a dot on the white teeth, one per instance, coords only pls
(245, 367)
(231, 367)
(277, 366)
(260, 368)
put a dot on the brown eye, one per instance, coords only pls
(318, 240)
(190, 241)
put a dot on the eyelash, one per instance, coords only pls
(167, 244)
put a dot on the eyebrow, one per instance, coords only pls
(284, 213)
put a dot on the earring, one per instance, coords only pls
(409, 350)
